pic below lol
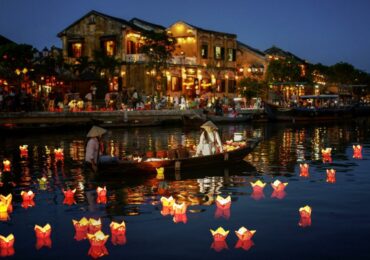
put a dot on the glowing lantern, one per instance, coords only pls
(98, 238)
(278, 185)
(167, 202)
(4, 216)
(69, 197)
(6, 165)
(42, 232)
(102, 195)
(305, 213)
(278, 194)
(177, 218)
(326, 155)
(222, 213)
(27, 199)
(244, 234)
(7, 202)
(330, 175)
(218, 246)
(160, 173)
(118, 228)
(357, 151)
(97, 251)
(118, 239)
(244, 244)
(7, 245)
(304, 170)
(43, 242)
(94, 225)
(59, 155)
(42, 183)
(179, 208)
(219, 234)
(257, 193)
(81, 225)
(223, 203)
(23, 150)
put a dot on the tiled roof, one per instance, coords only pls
(280, 52)
(251, 48)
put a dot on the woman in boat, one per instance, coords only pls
(93, 147)
(210, 141)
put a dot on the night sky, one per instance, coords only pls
(326, 31)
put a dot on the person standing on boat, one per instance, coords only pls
(93, 147)
(210, 141)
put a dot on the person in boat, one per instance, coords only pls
(94, 147)
(210, 141)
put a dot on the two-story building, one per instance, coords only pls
(251, 62)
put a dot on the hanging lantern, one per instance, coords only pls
(179, 208)
(42, 232)
(223, 203)
(97, 239)
(304, 170)
(218, 246)
(245, 234)
(160, 173)
(219, 234)
(357, 151)
(23, 149)
(94, 225)
(326, 155)
(102, 195)
(6, 202)
(118, 228)
(330, 175)
(6, 165)
(244, 244)
(305, 214)
(43, 242)
(278, 185)
(59, 154)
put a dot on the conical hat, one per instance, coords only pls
(209, 125)
(96, 131)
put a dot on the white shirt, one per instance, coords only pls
(209, 148)
(92, 150)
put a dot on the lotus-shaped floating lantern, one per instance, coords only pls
(6, 242)
(305, 214)
(94, 225)
(97, 251)
(23, 150)
(330, 175)
(245, 234)
(326, 155)
(178, 218)
(167, 202)
(118, 239)
(27, 198)
(42, 232)
(102, 195)
(81, 227)
(357, 151)
(43, 181)
(222, 213)
(59, 154)
(7, 165)
(179, 208)
(97, 239)
(304, 170)
(4, 216)
(43, 242)
(160, 173)
(6, 203)
(118, 228)
(219, 234)
(257, 193)
(69, 197)
(278, 185)
(223, 203)
(244, 244)
(218, 246)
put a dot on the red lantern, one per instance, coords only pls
(6, 165)
(7, 242)
(222, 213)
(258, 187)
(42, 232)
(4, 216)
(177, 218)
(43, 242)
(102, 195)
(218, 246)
(305, 214)
(6, 252)
(97, 239)
(304, 170)
(179, 208)
(59, 154)
(23, 150)
(326, 155)
(27, 199)
(94, 225)
(244, 244)
(219, 234)
(278, 194)
(357, 151)
(6, 203)
(69, 197)
(28, 204)
(97, 251)
(168, 210)
(223, 203)
(245, 234)
(118, 228)
(330, 175)
(278, 185)
(118, 240)
(81, 228)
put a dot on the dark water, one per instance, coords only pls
(340, 223)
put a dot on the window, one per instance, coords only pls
(175, 84)
(231, 54)
(109, 47)
(232, 86)
(219, 53)
(204, 51)
(133, 47)
(220, 85)
(75, 49)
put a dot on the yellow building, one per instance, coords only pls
(251, 63)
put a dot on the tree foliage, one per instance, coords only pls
(283, 71)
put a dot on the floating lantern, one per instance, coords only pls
(278, 194)
(42, 183)
(245, 234)
(23, 149)
(326, 155)
(330, 175)
(69, 197)
(3, 207)
(244, 244)
(7, 201)
(257, 193)
(42, 232)
(59, 155)
(219, 234)
(160, 173)
(102, 195)
(278, 185)
(97, 251)
(27, 196)
(118, 240)
(305, 214)
(6, 165)
(94, 225)
(98, 238)
(177, 218)
(223, 203)
(357, 151)
(167, 202)
(81, 225)
(28, 204)
(43, 242)
(179, 208)
(7, 252)
(4, 216)
(222, 213)
(218, 246)
(118, 228)
(6, 242)
(304, 170)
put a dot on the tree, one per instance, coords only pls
(158, 47)
(251, 88)
(283, 71)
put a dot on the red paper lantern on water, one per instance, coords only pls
(179, 208)
(69, 197)
(167, 210)
(118, 228)
(223, 203)
(42, 232)
(218, 246)
(102, 195)
(6, 165)
(219, 234)
(4, 252)
(97, 239)
(257, 193)
(81, 227)
(97, 251)
(357, 151)
(305, 214)
(6, 203)
(278, 194)
(245, 234)
(94, 225)
(23, 149)
(4, 216)
(222, 213)
(304, 170)
(326, 155)
(28, 199)
(330, 175)
(43, 242)
(244, 244)
(278, 185)
(7, 242)
(118, 240)
(59, 154)
(178, 218)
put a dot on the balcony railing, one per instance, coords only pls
(135, 57)
(181, 60)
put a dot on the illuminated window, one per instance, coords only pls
(133, 47)
(219, 53)
(75, 49)
(204, 51)
(231, 54)
(109, 47)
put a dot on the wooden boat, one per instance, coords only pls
(311, 113)
(198, 162)
(226, 119)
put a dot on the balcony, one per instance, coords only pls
(133, 58)
(181, 60)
